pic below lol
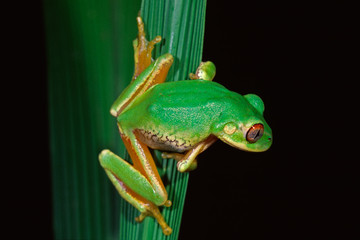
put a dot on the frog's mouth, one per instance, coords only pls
(260, 146)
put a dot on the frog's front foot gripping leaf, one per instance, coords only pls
(205, 71)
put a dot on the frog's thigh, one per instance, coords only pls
(129, 182)
(133, 187)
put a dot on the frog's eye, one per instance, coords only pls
(230, 128)
(255, 133)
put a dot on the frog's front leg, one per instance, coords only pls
(140, 183)
(187, 162)
(146, 74)
(179, 157)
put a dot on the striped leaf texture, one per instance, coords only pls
(90, 61)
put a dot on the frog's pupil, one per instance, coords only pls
(257, 134)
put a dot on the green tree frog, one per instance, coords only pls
(182, 119)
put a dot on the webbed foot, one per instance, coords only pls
(157, 215)
(143, 49)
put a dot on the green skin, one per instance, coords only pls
(171, 110)
(183, 118)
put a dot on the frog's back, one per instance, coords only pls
(189, 104)
(187, 93)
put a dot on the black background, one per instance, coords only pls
(295, 56)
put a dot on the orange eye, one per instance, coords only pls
(255, 133)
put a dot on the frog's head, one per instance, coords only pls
(244, 127)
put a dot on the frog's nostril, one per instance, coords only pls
(269, 139)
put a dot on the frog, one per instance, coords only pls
(181, 119)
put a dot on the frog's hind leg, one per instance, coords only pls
(146, 74)
(134, 187)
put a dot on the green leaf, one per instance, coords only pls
(90, 61)
(89, 57)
